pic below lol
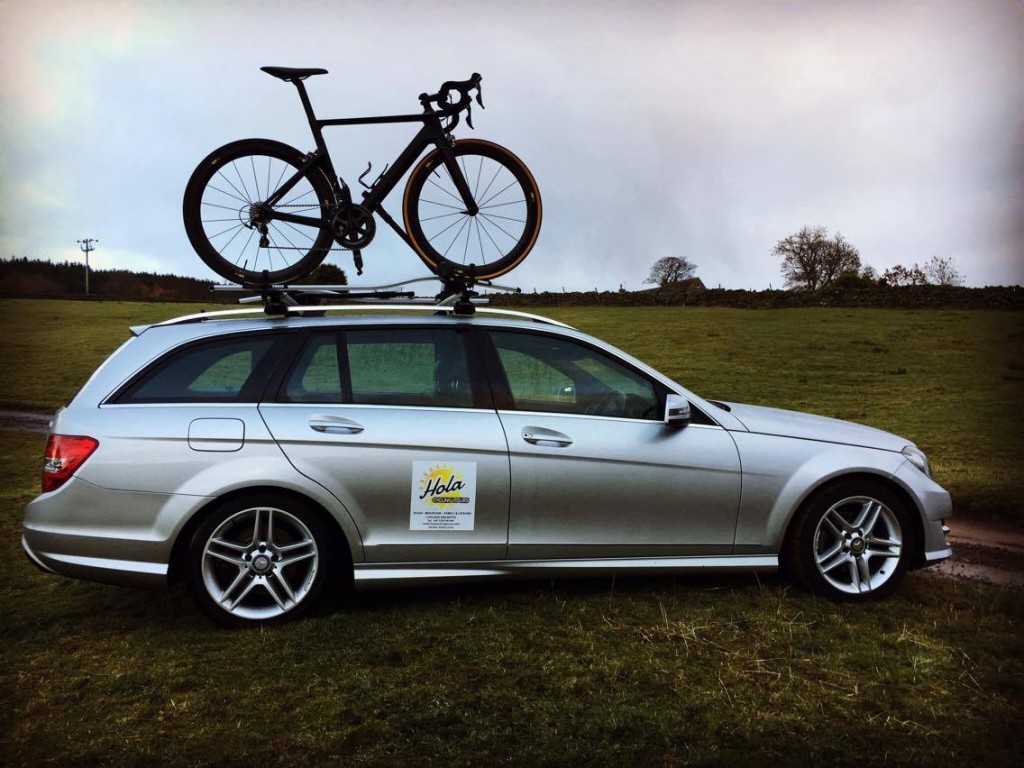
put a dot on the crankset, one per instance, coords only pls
(353, 227)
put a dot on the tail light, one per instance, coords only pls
(65, 454)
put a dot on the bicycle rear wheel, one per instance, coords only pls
(494, 240)
(232, 227)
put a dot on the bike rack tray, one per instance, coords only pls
(460, 295)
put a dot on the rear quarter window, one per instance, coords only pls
(224, 370)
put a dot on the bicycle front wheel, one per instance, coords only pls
(231, 207)
(492, 240)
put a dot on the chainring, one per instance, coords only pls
(353, 227)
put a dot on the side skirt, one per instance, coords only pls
(372, 575)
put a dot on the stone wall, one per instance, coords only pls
(905, 297)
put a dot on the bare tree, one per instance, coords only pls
(900, 275)
(937, 271)
(943, 271)
(812, 260)
(671, 269)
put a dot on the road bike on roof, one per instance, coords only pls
(259, 212)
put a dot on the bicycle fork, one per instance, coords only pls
(459, 179)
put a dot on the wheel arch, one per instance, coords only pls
(884, 480)
(342, 578)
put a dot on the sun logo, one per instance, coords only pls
(441, 484)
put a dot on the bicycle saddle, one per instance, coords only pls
(289, 74)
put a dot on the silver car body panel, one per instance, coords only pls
(779, 473)
(605, 487)
(584, 494)
(371, 472)
(776, 421)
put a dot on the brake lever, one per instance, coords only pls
(469, 106)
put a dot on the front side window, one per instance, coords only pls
(226, 370)
(556, 375)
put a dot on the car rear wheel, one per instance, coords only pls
(259, 560)
(851, 541)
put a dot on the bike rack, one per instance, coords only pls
(458, 292)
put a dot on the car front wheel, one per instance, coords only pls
(851, 541)
(258, 560)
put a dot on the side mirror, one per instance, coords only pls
(677, 411)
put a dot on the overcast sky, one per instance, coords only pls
(696, 129)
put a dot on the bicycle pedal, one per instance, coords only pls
(357, 258)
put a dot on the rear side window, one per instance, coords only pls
(409, 367)
(316, 377)
(226, 370)
(393, 366)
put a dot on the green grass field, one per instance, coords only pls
(952, 382)
(596, 672)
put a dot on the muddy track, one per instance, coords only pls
(981, 551)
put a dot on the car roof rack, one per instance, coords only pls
(458, 298)
(457, 284)
(318, 310)
(297, 300)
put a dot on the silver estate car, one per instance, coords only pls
(267, 462)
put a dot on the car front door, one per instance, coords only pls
(393, 422)
(595, 471)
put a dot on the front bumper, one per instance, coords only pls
(934, 505)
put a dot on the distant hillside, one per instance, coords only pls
(37, 278)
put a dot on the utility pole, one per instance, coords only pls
(87, 248)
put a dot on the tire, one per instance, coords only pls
(259, 560)
(851, 541)
(492, 242)
(218, 210)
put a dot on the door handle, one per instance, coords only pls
(335, 424)
(536, 435)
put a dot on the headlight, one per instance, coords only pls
(916, 457)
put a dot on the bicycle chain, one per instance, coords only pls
(297, 248)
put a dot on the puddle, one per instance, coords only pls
(987, 574)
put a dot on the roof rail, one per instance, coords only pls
(447, 309)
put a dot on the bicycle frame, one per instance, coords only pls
(431, 134)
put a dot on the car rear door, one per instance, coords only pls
(395, 422)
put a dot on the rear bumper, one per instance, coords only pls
(86, 532)
(134, 573)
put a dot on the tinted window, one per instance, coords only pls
(409, 367)
(395, 366)
(556, 375)
(316, 377)
(224, 370)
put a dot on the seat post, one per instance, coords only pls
(310, 116)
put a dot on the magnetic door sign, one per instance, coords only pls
(443, 496)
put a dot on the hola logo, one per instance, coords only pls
(443, 496)
(442, 485)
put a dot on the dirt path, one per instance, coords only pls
(27, 421)
(993, 554)
(984, 552)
